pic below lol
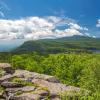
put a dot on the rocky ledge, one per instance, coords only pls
(25, 85)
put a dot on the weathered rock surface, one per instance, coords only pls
(7, 68)
(25, 85)
(6, 78)
(32, 75)
(11, 84)
(23, 89)
(55, 88)
(26, 96)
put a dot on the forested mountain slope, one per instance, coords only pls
(65, 44)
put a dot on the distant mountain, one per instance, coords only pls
(66, 44)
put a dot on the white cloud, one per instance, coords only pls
(39, 27)
(75, 26)
(98, 23)
(94, 36)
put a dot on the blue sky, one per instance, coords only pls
(87, 10)
(84, 13)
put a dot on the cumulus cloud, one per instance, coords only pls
(39, 28)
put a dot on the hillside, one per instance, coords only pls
(66, 44)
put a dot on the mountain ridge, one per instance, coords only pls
(59, 45)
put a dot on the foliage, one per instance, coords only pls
(82, 70)
(1, 89)
(79, 96)
(73, 69)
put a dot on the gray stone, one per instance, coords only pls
(55, 88)
(6, 78)
(23, 89)
(6, 67)
(32, 75)
(11, 84)
(41, 91)
(26, 96)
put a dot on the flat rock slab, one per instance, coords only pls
(55, 88)
(26, 96)
(11, 84)
(5, 65)
(23, 89)
(32, 75)
(6, 78)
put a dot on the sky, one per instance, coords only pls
(38, 19)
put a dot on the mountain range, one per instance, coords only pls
(60, 45)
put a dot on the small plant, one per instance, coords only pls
(17, 80)
(1, 89)
(18, 93)
(26, 83)
(44, 88)
(2, 72)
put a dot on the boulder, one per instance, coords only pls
(6, 67)
(32, 75)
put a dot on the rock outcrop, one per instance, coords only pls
(7, 68)
(25, 85)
